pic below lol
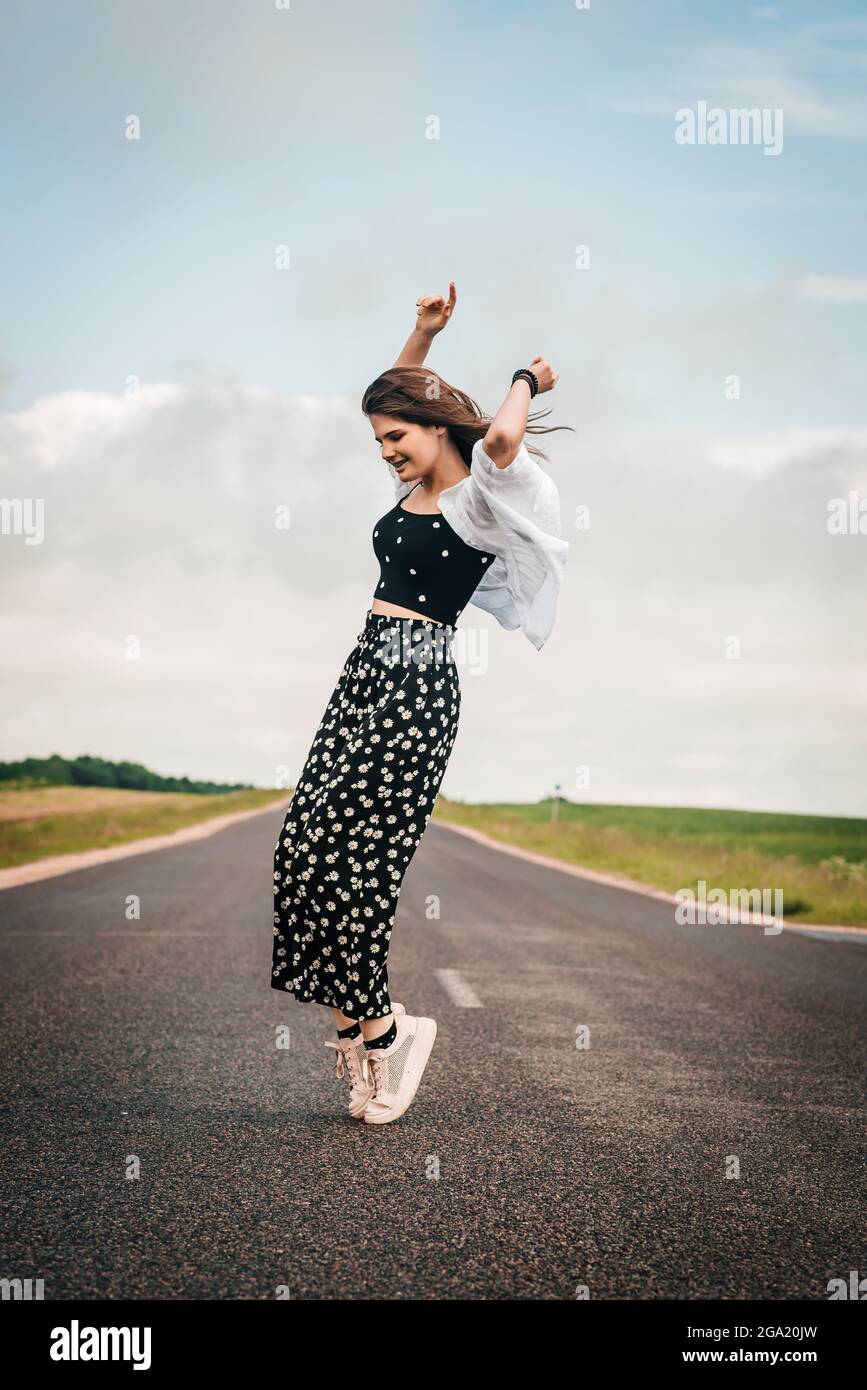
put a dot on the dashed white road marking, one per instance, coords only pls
(458, 990)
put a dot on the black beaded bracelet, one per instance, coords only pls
(530, 378)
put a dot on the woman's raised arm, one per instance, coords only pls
(508, 427)
(434, 313)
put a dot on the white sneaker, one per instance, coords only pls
(351, 1061)
(395, 1071)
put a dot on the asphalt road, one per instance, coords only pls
(525, 1168)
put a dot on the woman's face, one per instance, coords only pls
(411, 449)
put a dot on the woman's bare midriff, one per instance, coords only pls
(393, 610)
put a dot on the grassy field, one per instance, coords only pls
(44, 821)
(819, 862)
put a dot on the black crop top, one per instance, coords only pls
(424, 565)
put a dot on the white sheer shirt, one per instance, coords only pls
(513, 513)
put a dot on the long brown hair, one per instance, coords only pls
(424, 397)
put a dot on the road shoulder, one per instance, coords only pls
(633, 885)
(58, 864)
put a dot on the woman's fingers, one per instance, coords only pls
(435, 309)
(544, 373)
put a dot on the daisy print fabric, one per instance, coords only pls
(358, 812)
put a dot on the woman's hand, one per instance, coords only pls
(544, 374)
(509, 425)
(434, 312)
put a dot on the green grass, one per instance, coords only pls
(819, 862)
(36, 823)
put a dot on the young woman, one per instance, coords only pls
(475, 520)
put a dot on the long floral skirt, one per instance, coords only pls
(358, 812)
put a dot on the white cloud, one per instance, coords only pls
(804, 75)
(757, 456)
(833, 289)
(55, 430)
(160, 524)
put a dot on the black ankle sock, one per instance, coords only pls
(384, 1040)
(353, 1031)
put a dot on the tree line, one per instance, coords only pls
(87, 771)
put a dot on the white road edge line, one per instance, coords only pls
(633, 885)
(458, 990)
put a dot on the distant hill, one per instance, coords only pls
(100, 772)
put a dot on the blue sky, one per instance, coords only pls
(263, 127)
(305, 127)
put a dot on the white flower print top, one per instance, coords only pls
(424, 565)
